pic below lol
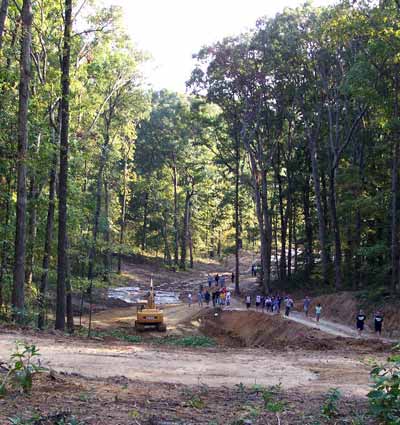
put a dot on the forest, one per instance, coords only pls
(286, 143)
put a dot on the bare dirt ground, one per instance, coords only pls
(108, 381)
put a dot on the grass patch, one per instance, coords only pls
(186, 341)
(193, 341)
(117, 334)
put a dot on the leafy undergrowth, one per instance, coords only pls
(125, 402)
(187, 341)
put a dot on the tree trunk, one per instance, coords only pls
(4, 251)
(309, 258)
(290, 237)
(261, 226)
(145, 216)
(3, 17)
(167, 253)
(47, 242)
(318, 204)
(18, 293)
(97, 211)
(123, 216)
(394, 218)
(62, 263)
(190, 238)
(32, 230)
(336, 231)
(68, 287)
(107, 234)
(237, 221)
(96, 219)
(295, 243)
(47, 246)
(283, 218)
(267, 231)
(176, 229)
(185, 230)
(395, 192)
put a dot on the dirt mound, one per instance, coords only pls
(253, 329)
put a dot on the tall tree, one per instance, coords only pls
(62, 263)
(18, 295)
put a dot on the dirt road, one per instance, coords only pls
(214, 367)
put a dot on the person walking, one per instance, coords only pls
(258, 301)
(200, 298)
(279, 298)
(288, 306)
(189, 299)
(217, 296)
(217, 278)
(248, 301)
(306, 305)
(209, 280)
(228, 298)
(318, 311)
(276, 305)
(222, 297)
(207, 297)
(213, 294)
(360, 320)
(378, 320)
(268, 304)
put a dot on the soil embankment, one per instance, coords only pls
(343, 307)
(254, 329)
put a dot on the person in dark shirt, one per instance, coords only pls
(207, 297)
(378, 319)
(360, 322)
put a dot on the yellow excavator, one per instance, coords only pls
(148, 315)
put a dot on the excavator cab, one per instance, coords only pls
(148, 316)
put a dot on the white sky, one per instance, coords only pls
(173, 30)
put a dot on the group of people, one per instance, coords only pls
(378, 321)
(219, 280)
(219, 296)
(270, 303)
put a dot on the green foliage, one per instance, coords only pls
(271, 404)
(196, 402)
(330, 408)
(194, 341)
(23, 365)
(384, 398)
(119, 334)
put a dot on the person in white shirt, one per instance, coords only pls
(228, 298)
(288, 305)
(248, 301)
(258, 301)
(318, 311)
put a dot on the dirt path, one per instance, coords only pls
(213, 367)
(326, 326)
(177, 318)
